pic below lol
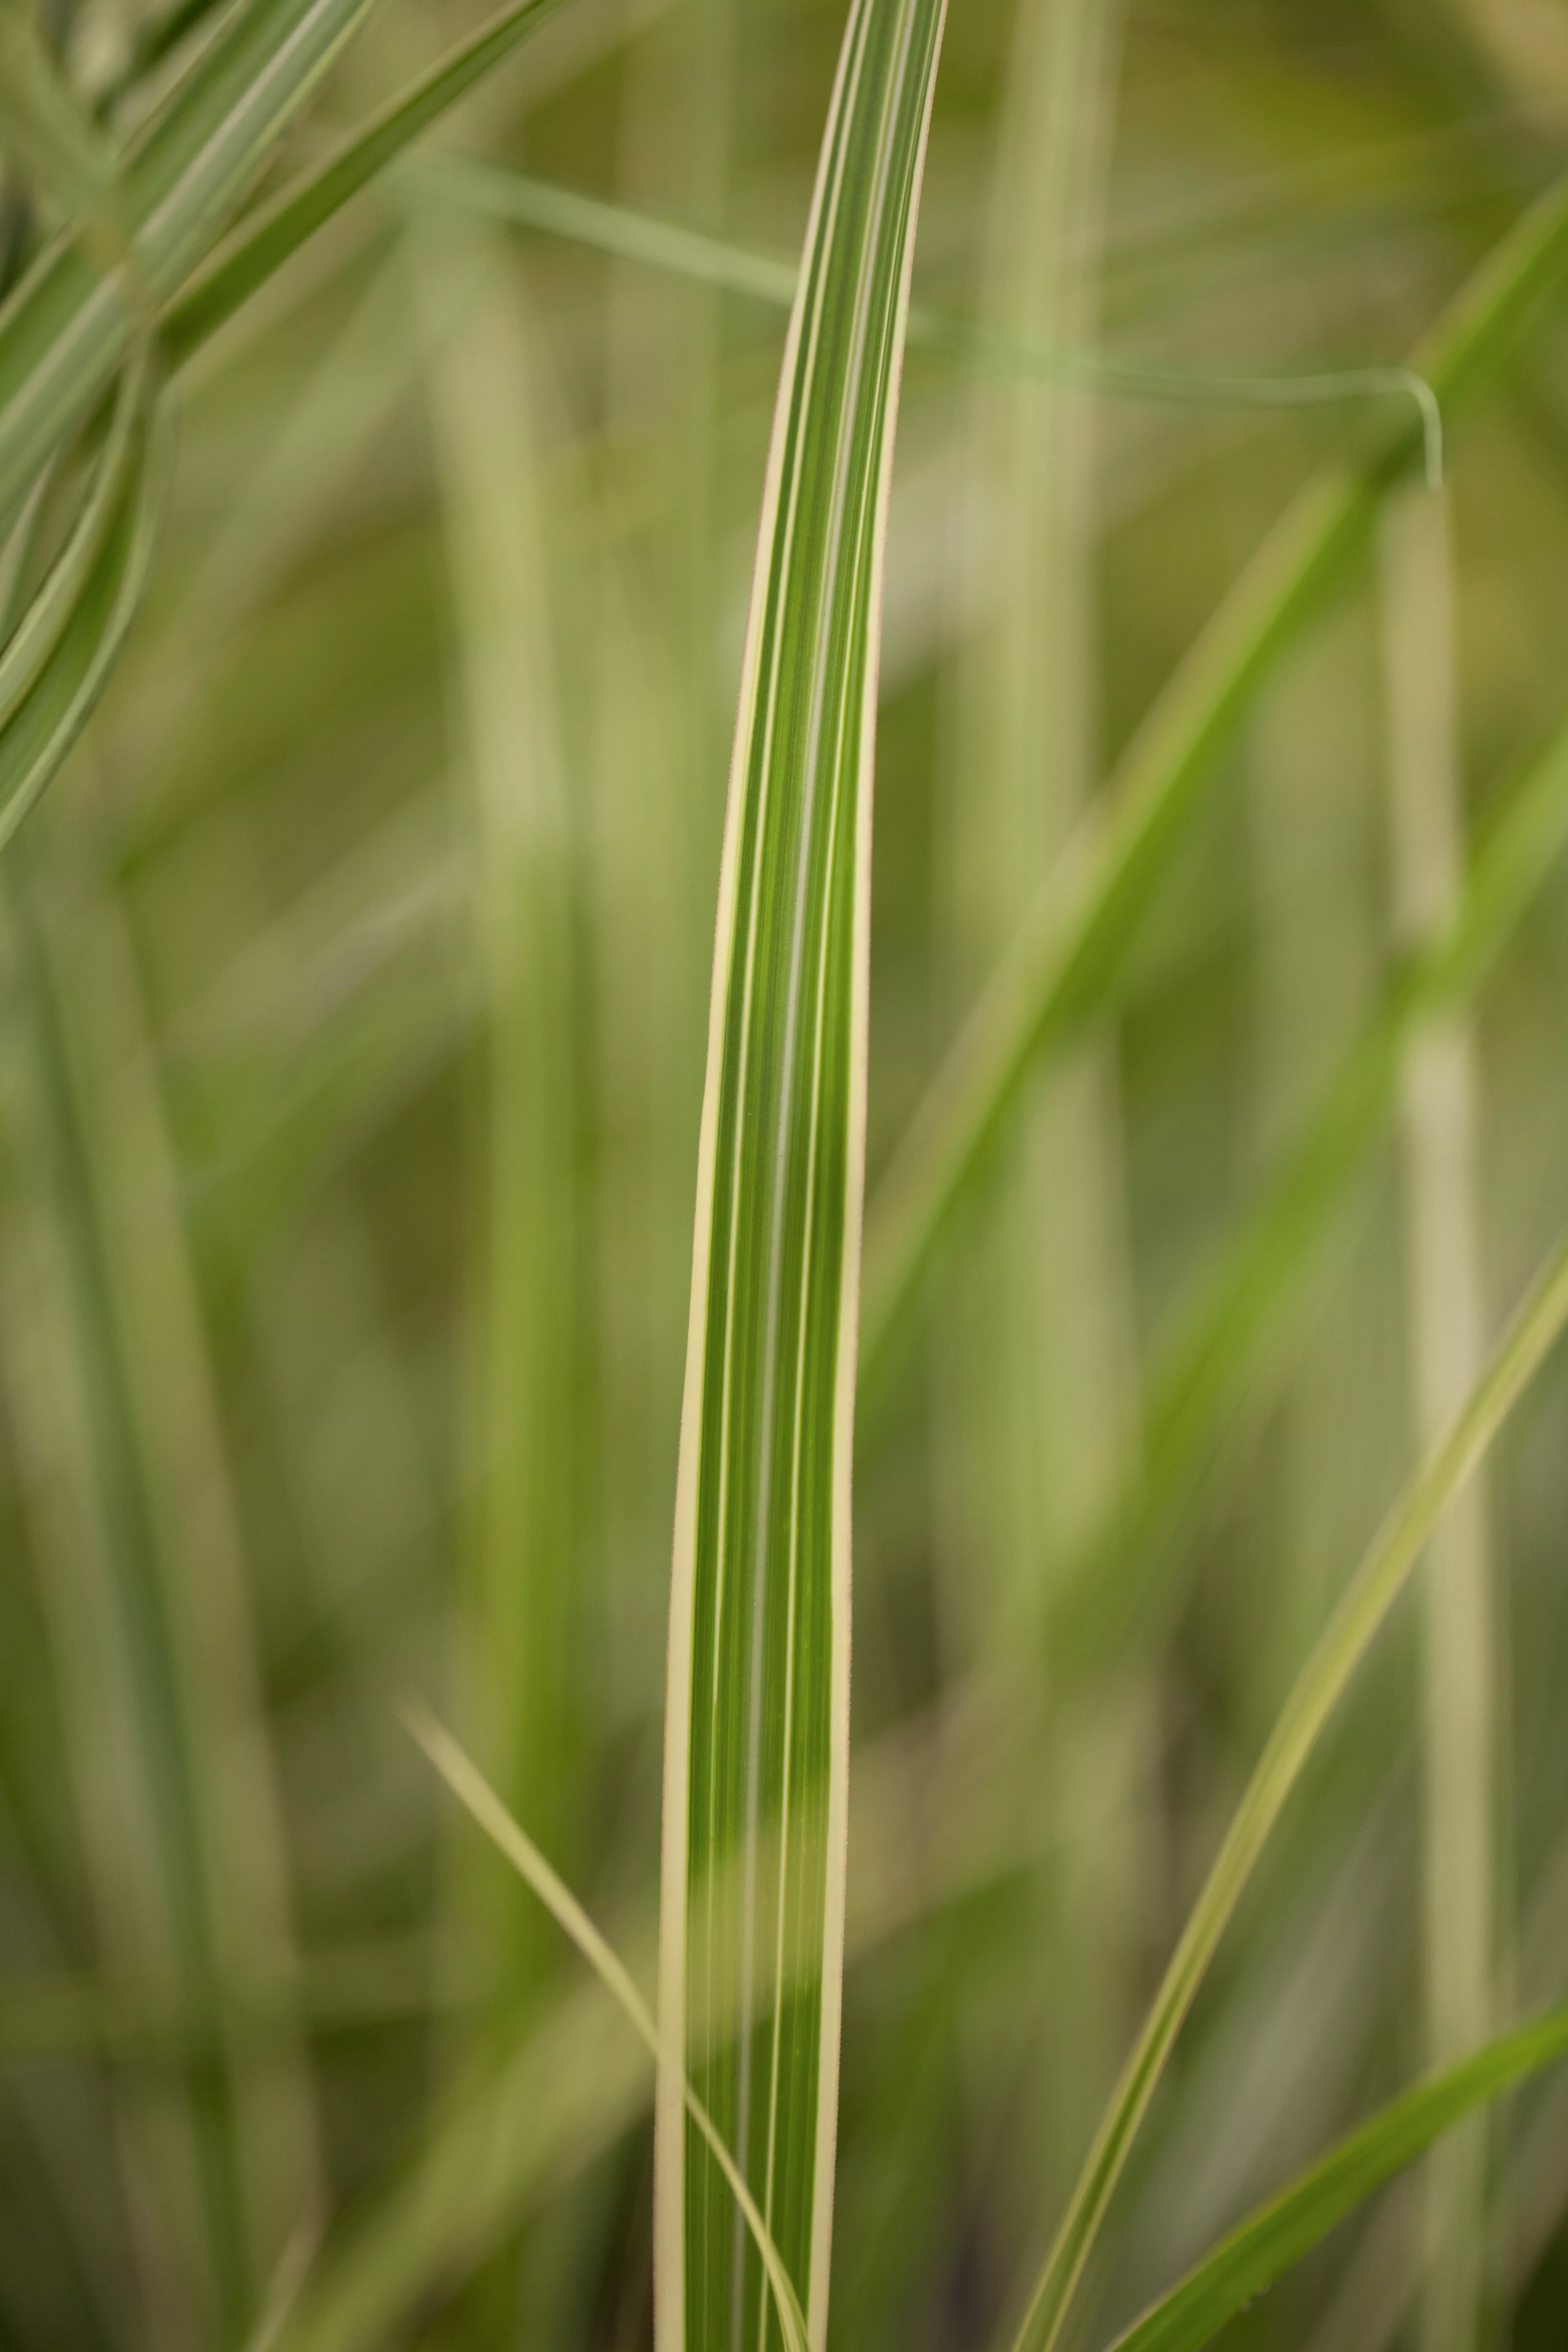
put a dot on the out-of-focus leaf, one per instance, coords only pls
(1322, 1681)
(1200, 1377)
(66, 327)
(1063, 967)
(470, 1788)
(48, 612)
(262, 247)
(86, 607)
(53, 143)
(1263, 2246)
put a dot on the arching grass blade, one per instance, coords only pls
(1260, 2247)
(86, 606)
(757, 1709)
(1201, 1374)
(1065, 962)
(67, 325)
(260, 246)
(470, 1787)
(1462, 1657)
(1323, 1680)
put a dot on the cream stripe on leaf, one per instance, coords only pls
(756, 1754)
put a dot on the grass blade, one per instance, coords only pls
(1065, 961)
(525, 1602)
(1439, 1090)
(42, 624)
(503, 192)
(1362, 1610)
(757, 1712)
(261, 246)
(192, 1753)
(1256, 2253)
(44, 129)
(472, 1790)
(70, 637)
(66, 327)
(558, 2095)
(1033, 1370)
(1048, 1388)
(1201, 1375)
(525, 1598)
(65, 330)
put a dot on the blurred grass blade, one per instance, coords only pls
(260, 246)
(503, 192)
(1041, 1386)
(1065, 962)
(1032, 1366)
(1439, 1089)
(757, 1709)
(524, 1607)
(87, 612)
(470, 1788)
(39, 631)
(66, 327)
(44, 132)
(1260, 2247)
(1360, 1611)
(192, 1756)
(1201, 1375)
(559, 2095)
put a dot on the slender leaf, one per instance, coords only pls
(66, 327)
(1260, 2247)
(503, 193)
(181, 1747)
(260, 246)
(473, 1791)
(757, 1710)
(557, 2094)
(1362, 1610)
(1033, 1368)
(1201, 1374)
(46, 132)
(39, 631)
(525, 1603)
(1462, 1687)
(1065, 961)
(86, 608)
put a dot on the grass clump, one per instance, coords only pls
(387, 405)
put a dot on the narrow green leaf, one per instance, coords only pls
(1362, 1610)
(87, 607)
(66, 327)
(260, 246)
(39, 631)
(1463, 1691)
(1201, 1374)
(53, 141)
(524, 1603)
(1065, 962)
(1263, 2246)
(473, 1791)
(757, 1709)
(560, 2093)
(1032, 1366)
(185, 1752)
(503, 193)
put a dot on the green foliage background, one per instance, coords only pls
(352, 1008)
